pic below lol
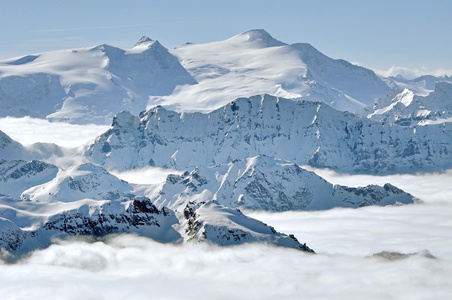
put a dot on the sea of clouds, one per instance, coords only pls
(413, 244)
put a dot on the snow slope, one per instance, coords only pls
(255, 63)
(80, 182)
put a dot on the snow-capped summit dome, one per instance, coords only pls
(262, 36)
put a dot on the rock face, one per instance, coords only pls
(17, 175)
(263, 183)
(311, 134)
(224, 226)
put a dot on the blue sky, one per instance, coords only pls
(377, 34)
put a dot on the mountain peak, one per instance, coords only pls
(144, 40)
(262, 36)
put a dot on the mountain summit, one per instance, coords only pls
(143, 40)
(260, 36)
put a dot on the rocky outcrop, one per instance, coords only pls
(217, 224)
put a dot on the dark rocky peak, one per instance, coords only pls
(144, 40)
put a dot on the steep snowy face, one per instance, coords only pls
(217, 224)
(16, 176)
(255, 63)
(312, 134)
(408, 109)
(80, 182)
(264, 183)
(90, 84)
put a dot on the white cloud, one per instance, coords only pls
(411, 73)
(28, 130)
(146, 175)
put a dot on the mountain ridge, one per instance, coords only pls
(98, 82)
(313, 134)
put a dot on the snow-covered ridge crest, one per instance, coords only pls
(93, 84)
(312, 134)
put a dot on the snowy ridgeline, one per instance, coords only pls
(93, 84)
(306, 133)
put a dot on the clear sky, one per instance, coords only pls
(377, 34)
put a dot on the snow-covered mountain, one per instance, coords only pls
(26, 226)
(264, 183)
(255, 63)
(306, 133)
(80, 182)
(218, 224)
(237, 119)
(88, 85)
(91, 85)
(409, 109)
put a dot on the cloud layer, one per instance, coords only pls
(28, 130)
(138, 268)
